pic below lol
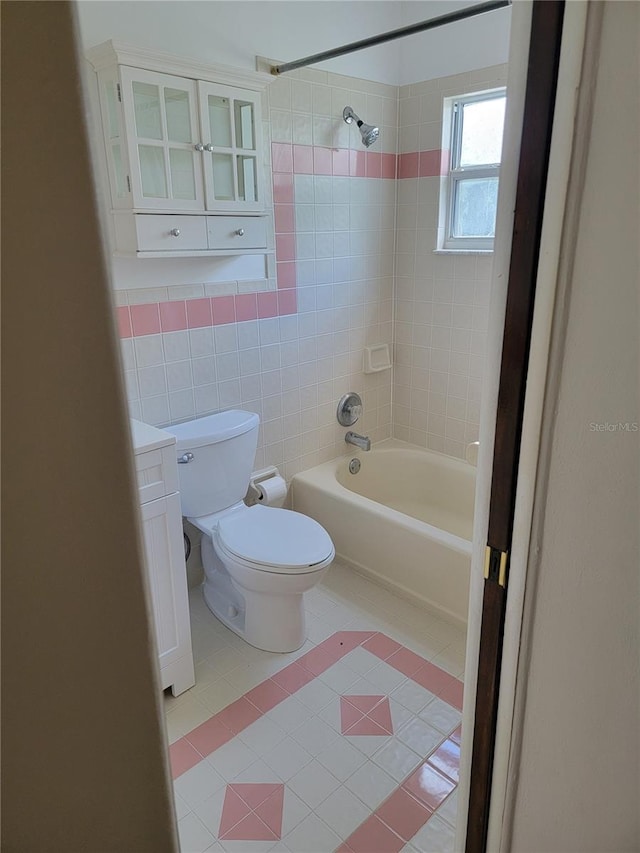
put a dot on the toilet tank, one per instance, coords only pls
(224, 450)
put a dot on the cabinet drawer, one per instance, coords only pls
(169, 233)
(157, 473)
(237, 232)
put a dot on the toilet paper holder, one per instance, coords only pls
(254, 495)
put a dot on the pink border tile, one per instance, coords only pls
(223, 309)
(340, 164)
(381, 646)
(281, 157)
(322, 164)
(357, 163)
(209, 736)
(406, 662)
(267, 305)
(389, 165)
(287, 302)
(284, 218)
(286, 274)
(429, 163)
(123, 316)
(429, 786)
(408, 165)
(293, 677)
(145, 319)
(199, 313)
(238, 715)
(246, 306)
(446, 759)
(374, 836)
(183, 756)
(303, 159)
(373, 164)
(266, 695)
(173, 316)
(285, 247)
(403, 814)
(282, 188)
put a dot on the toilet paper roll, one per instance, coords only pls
(272, 491)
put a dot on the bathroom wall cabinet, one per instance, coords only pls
(184, 154)
(157, 475)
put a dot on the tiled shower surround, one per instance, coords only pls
(349, 222)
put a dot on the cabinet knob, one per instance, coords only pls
(199, 146)
(175, 232)
(185, 458)
(209, 147)
(240, 232)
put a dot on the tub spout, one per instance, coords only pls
(361, 441)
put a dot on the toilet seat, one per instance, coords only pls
(274, 540)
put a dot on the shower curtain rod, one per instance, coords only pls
(432, 23)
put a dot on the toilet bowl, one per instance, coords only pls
(258, 561)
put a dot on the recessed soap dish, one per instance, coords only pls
(377, 358)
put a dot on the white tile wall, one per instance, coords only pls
(441, 300)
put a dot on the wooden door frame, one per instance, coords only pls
(543, 63)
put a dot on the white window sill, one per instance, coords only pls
(463, 251)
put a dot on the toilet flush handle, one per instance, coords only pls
(186, 457)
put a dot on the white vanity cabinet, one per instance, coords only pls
(157, 475)
(181, 140)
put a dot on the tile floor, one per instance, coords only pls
(350, 744)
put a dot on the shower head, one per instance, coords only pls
(368, 132)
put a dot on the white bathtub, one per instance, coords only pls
(404, 519)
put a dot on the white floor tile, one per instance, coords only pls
(316, 695)
(232, 758)
(289, 714)
(400, 715)
(294, 811)
(255, 773)
(397, 759)
(287, 758)
(340, 677)
(441, 716)
(368, 744)
(182, 809)
(312, 835)
(219, 694)
(448, 811)
(198, 784)
(315, 735)
(436, 836)
(385, 677)
(194, 836)
(342, 759)
(185, 717)
(413, 696)
(262, 736)
(313, 784)
(371, 784)
(210, 811)
(343, 812)
(362, 661)
(420, 737)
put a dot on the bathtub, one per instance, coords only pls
(405, 519)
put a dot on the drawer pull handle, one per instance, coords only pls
(240, 232)
(199, 146)
(175, 232)
(186, 457)
(209, 147)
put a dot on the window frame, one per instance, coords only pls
(458, 174)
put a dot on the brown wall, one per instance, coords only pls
(83, 765)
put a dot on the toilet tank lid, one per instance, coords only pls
(213, 428)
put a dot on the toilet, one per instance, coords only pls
(259, 560)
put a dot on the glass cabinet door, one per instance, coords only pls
(231, 125)
(164, 143)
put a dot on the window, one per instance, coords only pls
(477, 122)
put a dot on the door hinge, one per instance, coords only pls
(119, 92)
(495, 565)
(128, 183)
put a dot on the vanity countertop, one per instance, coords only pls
(145, 437)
